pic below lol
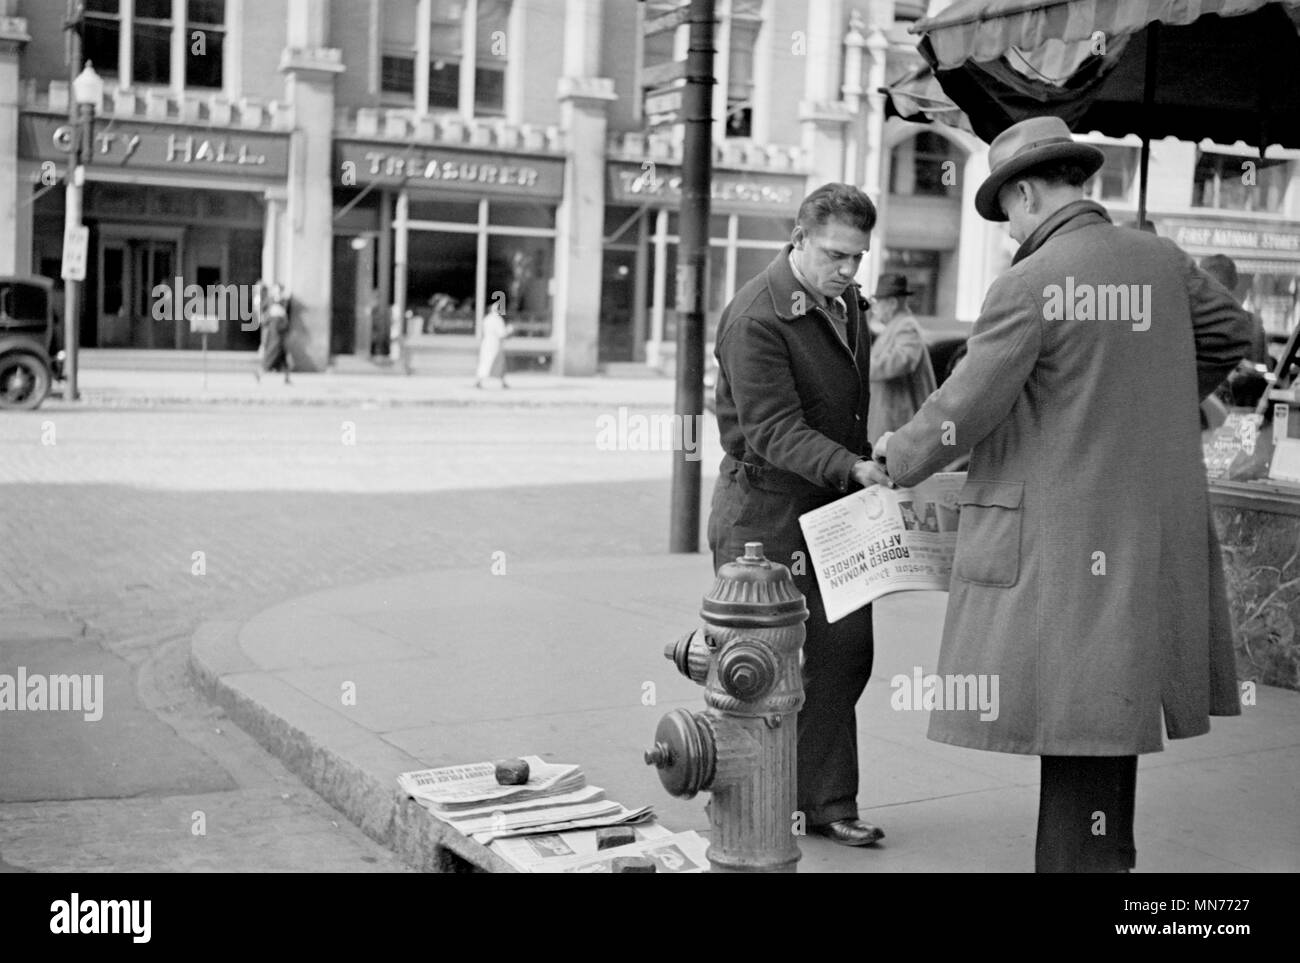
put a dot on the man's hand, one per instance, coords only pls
(868, 473)
(878, 449)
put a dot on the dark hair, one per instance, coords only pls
(1058, 172)
(842, 202)
(1223, 269)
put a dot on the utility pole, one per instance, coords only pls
(73, 204)
(693, 272)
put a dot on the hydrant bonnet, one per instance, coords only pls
(753, 592)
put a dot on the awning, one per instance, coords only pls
(984, 30)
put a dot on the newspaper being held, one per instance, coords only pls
(535, 852)
(678, 853)
(881, 540)
(623, 816)
(475, 784)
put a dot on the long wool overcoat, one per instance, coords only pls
(1088, 577)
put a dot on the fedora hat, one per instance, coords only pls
(892, 286)
(1037, 140)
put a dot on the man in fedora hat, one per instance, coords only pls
(1087, 578)
(792, 404)
(901, 374)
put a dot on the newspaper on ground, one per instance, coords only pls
(533, 853)
(881, 540)
(499, 820)
(678, 853)
(588, 794)
(623, 816)
(475, 784)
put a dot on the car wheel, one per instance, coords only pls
(24, 382)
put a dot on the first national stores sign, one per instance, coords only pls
(362, 163)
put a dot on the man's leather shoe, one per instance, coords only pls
(851, 832)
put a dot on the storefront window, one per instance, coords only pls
(440, 276)
(1114, 182)
(765, 228)
(442, 271)
(520, 269)
(1233, 182)
(457, 212)
(751, 262)
(521, 215)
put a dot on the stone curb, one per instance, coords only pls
(106, 401)
(335, 767)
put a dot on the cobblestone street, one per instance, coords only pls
(123, 530)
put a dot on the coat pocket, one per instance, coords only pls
(988, 549)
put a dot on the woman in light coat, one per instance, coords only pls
(491, 350)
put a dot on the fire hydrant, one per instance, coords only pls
(742, 747)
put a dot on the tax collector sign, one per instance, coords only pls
(732, 192)
(365, 162)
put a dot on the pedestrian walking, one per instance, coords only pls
(1088, 580)
(792, 405)
(491, 350)
(901, 374)
(276, 323)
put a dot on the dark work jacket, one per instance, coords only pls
(791, 398)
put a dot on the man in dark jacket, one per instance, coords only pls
(793, 350)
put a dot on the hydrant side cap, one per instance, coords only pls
(754, 592)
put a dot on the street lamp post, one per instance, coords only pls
(87, 95)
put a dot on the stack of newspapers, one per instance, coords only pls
(556, 798)
(576, 851)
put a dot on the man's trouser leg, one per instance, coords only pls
(836, 666)
(1085, 814)
(837, 658)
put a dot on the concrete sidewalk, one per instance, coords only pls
(102, 385)
(458, 666)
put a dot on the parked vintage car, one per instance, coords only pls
(30, 355)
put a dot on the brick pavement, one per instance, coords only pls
(99, 532)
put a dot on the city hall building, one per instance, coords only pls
(421, 159)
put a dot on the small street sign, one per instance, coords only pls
(76, 241)
(660, 75)
(669, 21)
(663, 106)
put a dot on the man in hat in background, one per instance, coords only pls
(1224, 270)
(901, 374)
(1087, 578)
(792, 404)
